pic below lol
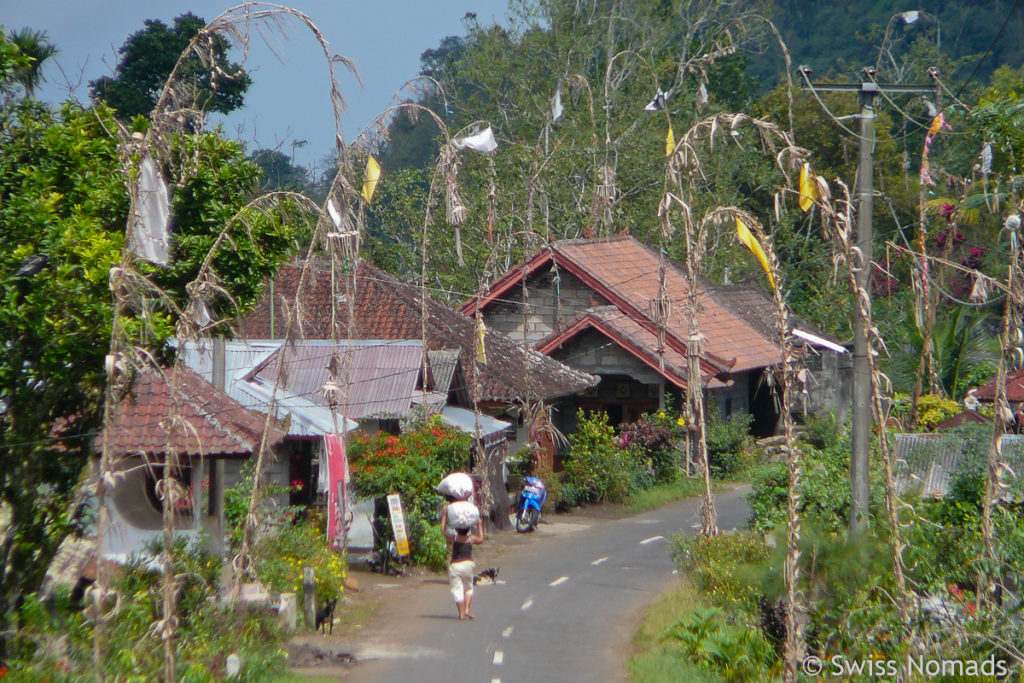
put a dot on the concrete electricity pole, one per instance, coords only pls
(867, 91)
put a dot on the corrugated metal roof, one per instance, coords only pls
(442, 368)
(376, 378)
(465, 421)
(386, 308)
(929, 462)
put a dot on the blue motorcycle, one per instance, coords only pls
(531, 500)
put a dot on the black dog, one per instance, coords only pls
(489, 575)
(325, 616)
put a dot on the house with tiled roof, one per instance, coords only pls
(176, 416)
(445, 377)
(589, 303)
(385, 308)
(986, 393)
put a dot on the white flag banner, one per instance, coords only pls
(702, 94)
(335, 214)
(149, 236)
(556, 106)
(986, 159)
(658, 103)
(481, 142)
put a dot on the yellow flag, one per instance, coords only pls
(372, 176)
(808, 190)
(670, 142)
(745, 236)
(481, 351)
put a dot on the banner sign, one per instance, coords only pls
(398, 524)
(337, 482)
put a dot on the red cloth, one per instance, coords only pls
(337, 498)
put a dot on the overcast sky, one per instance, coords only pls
(289, 98)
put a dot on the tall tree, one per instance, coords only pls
(62, 223)
(149, 57)
(35, 46)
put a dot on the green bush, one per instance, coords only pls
(55, 640)
(654, 439)
(729, 443)
(410, 464)
(726, 568)
(824, 488)
(597, 468)
(428, 544)
(932, 409)
(734, 652)
(280, 558)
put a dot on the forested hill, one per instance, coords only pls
(844, 36)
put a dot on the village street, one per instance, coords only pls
(568, 599)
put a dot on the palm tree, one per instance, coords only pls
(964, 343)
(34, 45)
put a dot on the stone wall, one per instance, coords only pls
(553, 302)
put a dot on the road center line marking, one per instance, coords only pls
(559, 581)
(528, 604)
(507, 633)
(652, 539)
(499, 657)
(599, 561)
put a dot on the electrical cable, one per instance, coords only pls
(977, 66)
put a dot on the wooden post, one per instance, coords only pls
(309, 598)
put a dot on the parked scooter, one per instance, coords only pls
(531, 500)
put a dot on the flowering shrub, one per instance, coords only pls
(653, 438)
(932, 409)
(281, 557)
(410, 464)
(599, 468)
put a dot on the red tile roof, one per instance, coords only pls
(625, 272)
(213, 423)
(1014, 388)
(634, 339)
(386, 308)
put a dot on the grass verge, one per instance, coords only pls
(658, 661)
(659, 495)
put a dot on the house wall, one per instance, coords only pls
(830, 384)
(734, 398)
(552, 303)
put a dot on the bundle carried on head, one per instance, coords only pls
(463, 515)
(457, 485)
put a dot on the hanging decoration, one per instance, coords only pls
(481, 334)
(938, 123)
(658, 103)
(370, 183)
(702, 95)
(481, 142)
(149, 235)
(747, 238)
(556, 105)
(808, 190)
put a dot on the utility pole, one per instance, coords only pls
(860, 455)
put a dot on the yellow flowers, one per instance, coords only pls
(681, 422)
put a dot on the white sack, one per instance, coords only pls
(463, 515)
(457, 485)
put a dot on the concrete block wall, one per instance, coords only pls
(550, 305)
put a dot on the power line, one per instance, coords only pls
(977, 66)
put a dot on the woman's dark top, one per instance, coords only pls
(462, 551)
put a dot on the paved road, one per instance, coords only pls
(570, 600)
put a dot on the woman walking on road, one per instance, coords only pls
(461, 567)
